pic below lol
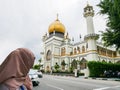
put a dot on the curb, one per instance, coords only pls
(107, 79)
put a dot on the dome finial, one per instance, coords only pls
(87, 3)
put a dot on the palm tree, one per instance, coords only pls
(40, 63)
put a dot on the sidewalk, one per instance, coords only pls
(109, 79)
(95, 78)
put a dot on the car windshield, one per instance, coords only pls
(32, 71)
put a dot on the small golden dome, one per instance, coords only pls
(56, 26)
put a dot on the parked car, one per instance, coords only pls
(40, 75)
(34, 77)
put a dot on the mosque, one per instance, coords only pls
(58, 47)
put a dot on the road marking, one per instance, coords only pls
(75, 82)
(54, 86)
(101, 88)
(106, 88)
(116, 86)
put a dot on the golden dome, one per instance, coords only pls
(56, 26)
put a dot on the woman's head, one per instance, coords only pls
(17, 64)
(27, 56)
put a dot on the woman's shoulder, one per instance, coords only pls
(3, 87)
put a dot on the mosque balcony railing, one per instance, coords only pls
(91, 36)
(41, 53)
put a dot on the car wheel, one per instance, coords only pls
(35, 83)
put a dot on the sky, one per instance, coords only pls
(24, 22)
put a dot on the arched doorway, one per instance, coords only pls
(83, 63)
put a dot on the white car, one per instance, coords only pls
(34, 77)
(40, 75)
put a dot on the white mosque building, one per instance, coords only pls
(58, 46)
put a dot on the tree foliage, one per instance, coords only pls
(56, 66)
(74, 64)
(112, 34)
(37, 66)
(63, 63)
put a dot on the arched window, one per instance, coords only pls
(49, 55)
(63, 64)
(103, 61)
(109, 53)
(48, 69)
(83, 49)
(75, 52)
(114, 54)
(78, 49)
(83, 63)
(63, 51)
(98, 50)
(110, 62)
(86, 46)
(118, 62)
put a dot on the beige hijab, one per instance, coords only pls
(14, 69)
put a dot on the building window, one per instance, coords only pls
(118, 62)
(75, 52)
(83, 63)
(78, 49)
(86, 46)
(47, 69)
(114, 54)
(103, 61)
(49, 55)
(63, 51)
(83, 49)
(63, 64)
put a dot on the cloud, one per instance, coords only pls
(24, 22)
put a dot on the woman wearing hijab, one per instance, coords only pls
(14, 70)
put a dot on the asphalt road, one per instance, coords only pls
(49, 82)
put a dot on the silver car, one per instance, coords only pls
(34, 77)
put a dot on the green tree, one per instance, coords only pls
(56, 66)
(37, 66)
(63, 63)
(112, 34)
(74, 64)
(40, 60)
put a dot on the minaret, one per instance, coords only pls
(91, 37)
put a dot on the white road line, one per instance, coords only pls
(101, 88)
(106, 88)
(75, 82)
(116, 86)
(54, 87)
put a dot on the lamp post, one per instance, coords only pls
(75, 72)
(51, 70)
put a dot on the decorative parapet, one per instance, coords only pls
(88, 14)
(88, 11)
(91, 36)
(42, 53)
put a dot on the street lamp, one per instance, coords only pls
(51, 69)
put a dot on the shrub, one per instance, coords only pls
(97, 68)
